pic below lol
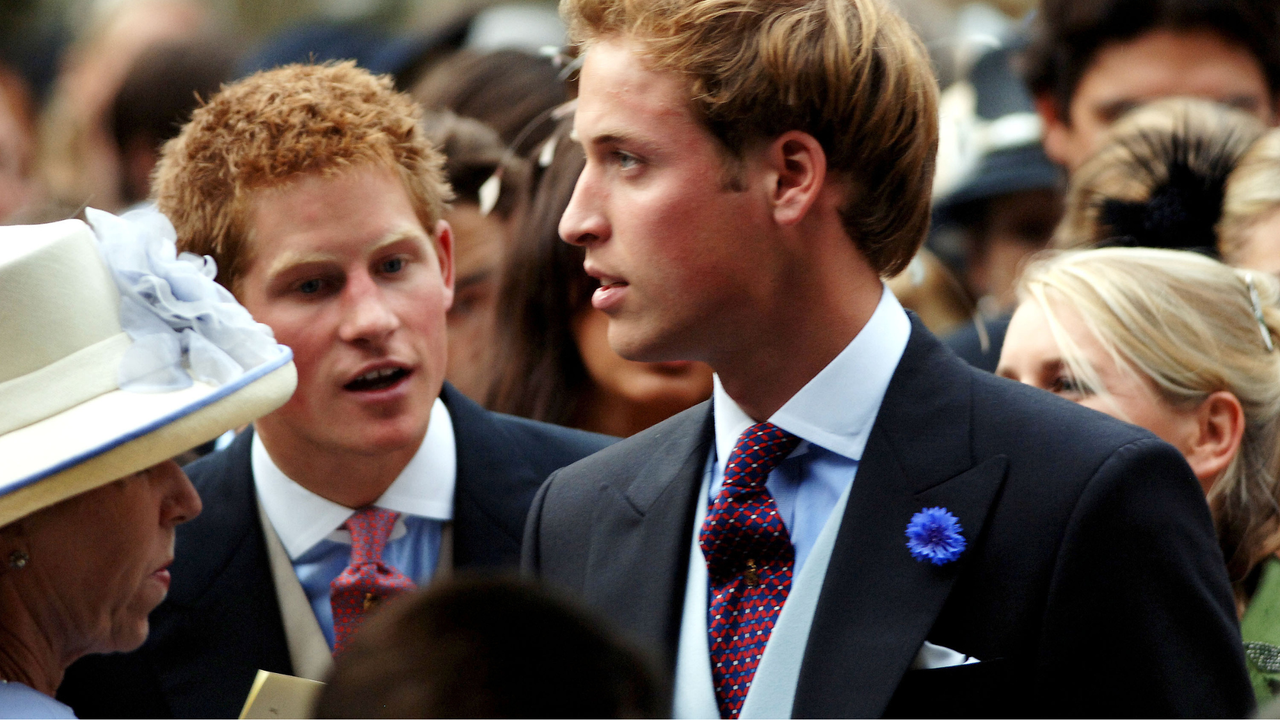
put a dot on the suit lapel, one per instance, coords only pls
(486, 524)
(878, 602)
(642, 528)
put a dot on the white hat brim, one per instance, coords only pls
(119, 433)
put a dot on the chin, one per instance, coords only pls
(391, 436)
(130, 637)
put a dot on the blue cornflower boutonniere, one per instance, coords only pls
(933, 535)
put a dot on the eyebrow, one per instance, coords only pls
(290, 260)
(613, 138)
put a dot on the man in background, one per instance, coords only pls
(1090, 61)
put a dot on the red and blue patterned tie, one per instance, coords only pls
(366, 581)
(749, 562)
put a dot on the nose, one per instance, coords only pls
(584, 222)
(181, 501)
(366, 316)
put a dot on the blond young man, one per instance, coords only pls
(858, 524)
(317, 193)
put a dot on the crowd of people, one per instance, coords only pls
(712, 362)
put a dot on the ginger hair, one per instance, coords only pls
(851, 73)
(267, 130)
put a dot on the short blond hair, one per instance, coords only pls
(851, 73)
(270, 128)
(1186, 324)
(1253, 194)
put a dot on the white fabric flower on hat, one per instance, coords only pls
(183, 324)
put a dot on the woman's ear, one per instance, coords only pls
(800, 166)
(1216, 440)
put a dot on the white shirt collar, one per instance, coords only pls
(836, 409)
(424, 488)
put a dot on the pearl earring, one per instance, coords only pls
(18, 559)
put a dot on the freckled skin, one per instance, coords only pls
(345, 274)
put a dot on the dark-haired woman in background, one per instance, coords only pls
(556, 364)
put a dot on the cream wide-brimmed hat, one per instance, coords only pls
(86, 400)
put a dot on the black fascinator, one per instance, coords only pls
(1184, 206)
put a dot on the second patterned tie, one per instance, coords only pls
(367, 580)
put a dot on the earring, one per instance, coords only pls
(18, 559)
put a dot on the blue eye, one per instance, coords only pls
(393, 265)
(309, 287)
(626, 160)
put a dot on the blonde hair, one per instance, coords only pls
(1253, 194)
(851, 73)
(269, 128)
(1182, 141)
(1186, 324)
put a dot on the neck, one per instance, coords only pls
(350, 478)
(28, 651)
(801, 330)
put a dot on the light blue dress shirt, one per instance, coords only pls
(19, 701)
(310, 527)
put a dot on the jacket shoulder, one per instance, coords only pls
(1010, 417)
(551, 445)
(621, 463)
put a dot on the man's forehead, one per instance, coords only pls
(621, 98)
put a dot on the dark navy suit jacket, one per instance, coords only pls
(1092, 584)
(221, 622)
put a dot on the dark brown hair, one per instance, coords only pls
(473, 153)
(1067, 35)
(492, 647)
(541, 374)
(508, 90)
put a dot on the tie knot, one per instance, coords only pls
(758, 451)
(370, 528)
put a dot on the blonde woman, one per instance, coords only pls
(1185, 347)
(1249, 233)
(1158, 180)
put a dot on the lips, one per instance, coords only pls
(608, 297)
(377, 378)
(162, 576)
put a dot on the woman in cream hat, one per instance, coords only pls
(115, 355)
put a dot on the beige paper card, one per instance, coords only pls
(280, 696)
